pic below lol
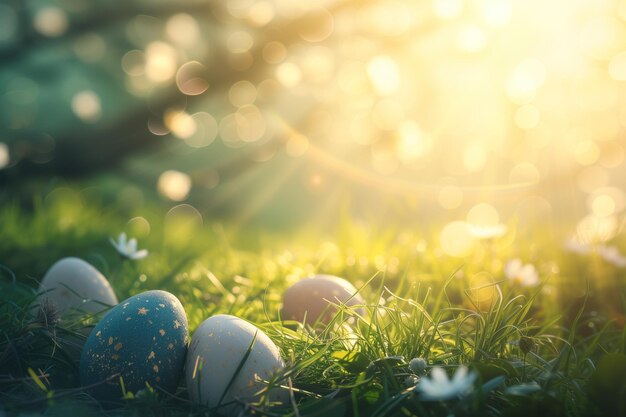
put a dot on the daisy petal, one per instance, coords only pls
(140, 254)
(131, 247)
(511, 270)
(460, 374)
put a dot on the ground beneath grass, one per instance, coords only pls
(555, 349)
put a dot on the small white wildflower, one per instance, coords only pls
(577, 246)
(595, 230)
(128, 249)
(612, 255)
(439, 388)
(524, 274)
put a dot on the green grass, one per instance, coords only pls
(556, 350)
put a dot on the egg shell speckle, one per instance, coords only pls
(73, 286)
(143, 339)
(310, 298)
(217, 348)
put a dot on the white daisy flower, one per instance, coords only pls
(612, 255)
(128, 248)
(439, 388)
(520, 273)
(577, 246)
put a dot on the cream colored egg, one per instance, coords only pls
(74, 287)
(312, 299)
(217, 348)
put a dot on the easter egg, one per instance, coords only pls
(218, 348)
(312, 299)
(142, 340)
(73, 287)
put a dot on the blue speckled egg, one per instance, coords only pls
(143, 340)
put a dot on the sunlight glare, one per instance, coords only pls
(190, 78)
(180, 123)
(174, 185)
(51, 21)
(86, 105)
(525, 80)
(383, 72)
(183, 30)
(497, 13)
(483, 222)
(474, 157)
(160, 62)
(448, 9)
(412, 142)
(471, 39)
(289, 74)
(4, 155)
(456, 239)
(450, 197)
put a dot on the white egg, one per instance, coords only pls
(74, 287)
(217, 348)
(312, 299)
